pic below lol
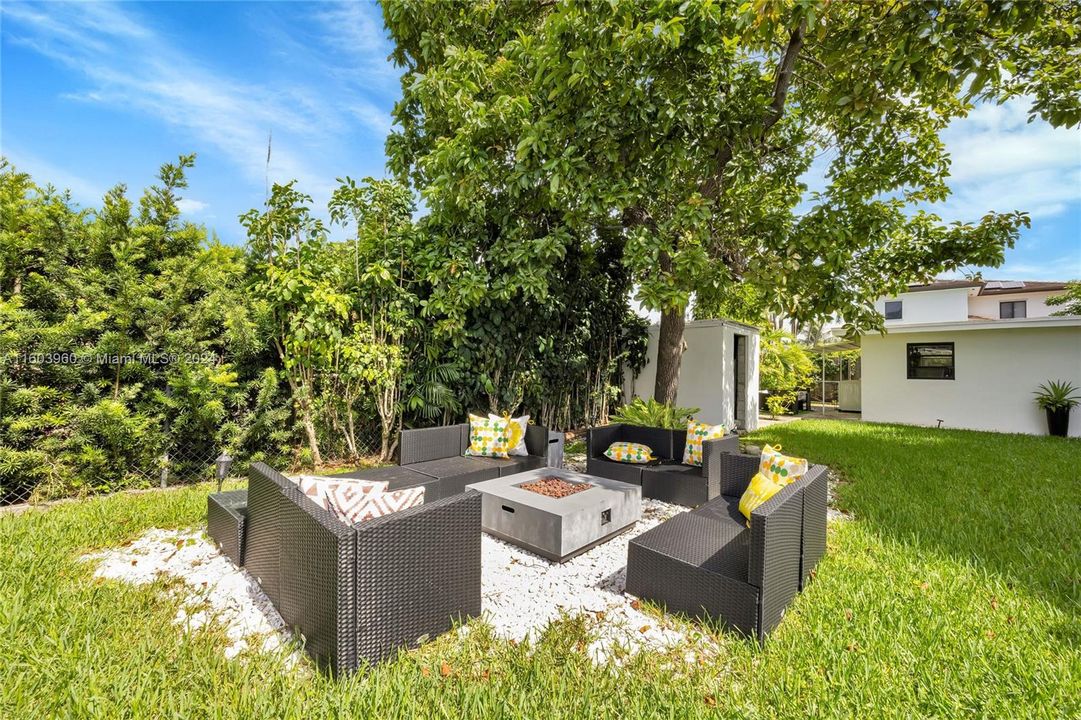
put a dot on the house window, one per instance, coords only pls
(1013, 309)
(893, 309)
(930, 361)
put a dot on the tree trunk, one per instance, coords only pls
(309, 430)
(350, 429)
(384, 442)
(670, 347)
(386, 406)
(302, 401)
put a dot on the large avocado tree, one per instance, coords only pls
(692, 126)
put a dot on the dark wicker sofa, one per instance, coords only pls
(708, 563)
(433, 457)
(670, 480)
(356, 594)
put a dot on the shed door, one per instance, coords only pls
(739, 367)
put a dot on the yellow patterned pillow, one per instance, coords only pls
(516, 427)
(628, 452)
(488, 437)
(698, 433)
(760, 489)
(782, 469)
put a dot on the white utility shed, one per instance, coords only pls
(719, 372)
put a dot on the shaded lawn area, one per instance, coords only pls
(953, 592)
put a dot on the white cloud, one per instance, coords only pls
(355, 30)
(1062, 268)
(190, 206)
(352, 27)
(129, 64)
(1002, 162)
(379, 121)
(1042, 192)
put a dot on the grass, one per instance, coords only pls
(955, 591)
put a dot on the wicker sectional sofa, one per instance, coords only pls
(358, 593)
(670, 480)
(433, 457)
(708, 563)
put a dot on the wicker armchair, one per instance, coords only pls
(356, 594)
(708, 563)
(670, 480)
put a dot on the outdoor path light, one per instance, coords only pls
(223, 463)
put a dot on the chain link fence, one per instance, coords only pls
(176, 462)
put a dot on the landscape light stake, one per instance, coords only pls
(223, 463)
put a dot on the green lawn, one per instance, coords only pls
(955, 591)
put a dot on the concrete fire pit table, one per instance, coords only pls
(557, 528)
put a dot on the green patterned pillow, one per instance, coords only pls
(779, 468)
(698, 433)
(488, 437)
(628, 452)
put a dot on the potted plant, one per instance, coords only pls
(1057, 398)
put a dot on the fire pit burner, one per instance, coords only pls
(554, 487)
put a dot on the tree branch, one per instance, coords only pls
(784, 77)
(711, 187)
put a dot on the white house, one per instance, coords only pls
(718, 374)
(969, 354)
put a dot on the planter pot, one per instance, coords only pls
(1058, 422)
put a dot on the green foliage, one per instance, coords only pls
(784, 366)
(120, 353)
(691, 125)
(780, 403)
(1070, 300)
(688, 128)
(561, 359)
(385, 304)
(741, 302)
(650, 413)
(130, 344)
(1057, 395)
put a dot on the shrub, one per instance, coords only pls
(651, 413)
(780, 403)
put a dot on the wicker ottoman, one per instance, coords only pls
(226, 514)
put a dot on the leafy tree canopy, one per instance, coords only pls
(690, 125)
(1070, 300)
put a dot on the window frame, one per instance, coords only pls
(951, 371)
(1013, 309)
(900, 309)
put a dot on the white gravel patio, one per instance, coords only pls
(521, 592)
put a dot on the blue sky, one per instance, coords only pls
(95, 94)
